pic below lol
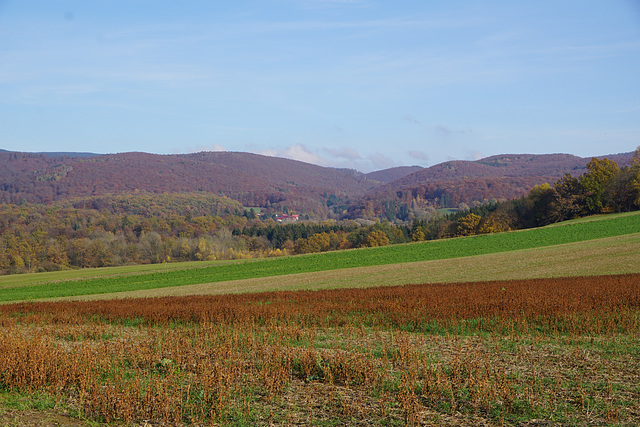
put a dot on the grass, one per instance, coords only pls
(177, 275)
(13, 280)
(545, 352)
(390, 358)
(616, 255)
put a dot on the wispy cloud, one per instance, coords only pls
(295, 152)
(444, 130)
(419, 155)
(588, 51)
(410, 119)
(212, 147)
(381, 161)
(438, 129)
(343, 153)
(321, 4)
(347, 158)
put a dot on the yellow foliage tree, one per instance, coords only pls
(468, 225)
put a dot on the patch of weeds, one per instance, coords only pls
(26, 401)
(239, 417)
(134, 321)
(107, 336)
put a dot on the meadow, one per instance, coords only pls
(553, 341)
(66, 284)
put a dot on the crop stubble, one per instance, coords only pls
(558, 350)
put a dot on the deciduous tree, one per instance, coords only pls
(594, 182)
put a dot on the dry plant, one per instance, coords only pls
(561, 350)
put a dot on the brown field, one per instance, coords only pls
(519, 352)
(615, 255)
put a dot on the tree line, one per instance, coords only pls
(112, 230)
(604, 188)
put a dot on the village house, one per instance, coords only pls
(287, 218)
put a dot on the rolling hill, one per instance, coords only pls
(262, 181)
(251, 179)
(492, 178)
(393, 174)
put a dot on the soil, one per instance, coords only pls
(48, 418)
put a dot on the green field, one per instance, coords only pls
(559, 349)
(140, 278)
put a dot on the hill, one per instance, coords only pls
(392, 174)
(251, 179)
(499, 177)
(283, 184)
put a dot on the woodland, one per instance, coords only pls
(142, 227)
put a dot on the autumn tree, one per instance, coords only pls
(571, 202)
(635, 179)
(595, 180)
(418, 235)
(468, 225)
(376, 238)
(151, 247)
(495, 222)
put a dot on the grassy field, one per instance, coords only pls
(128, 279)
(536, 327)
(615, 255)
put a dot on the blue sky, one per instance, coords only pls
(364, 84)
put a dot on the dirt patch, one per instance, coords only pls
(32, 418)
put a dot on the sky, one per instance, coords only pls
(362, 84)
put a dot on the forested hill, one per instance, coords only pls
(252, 179)
(282, 184)
(501, 177)
(392, 174)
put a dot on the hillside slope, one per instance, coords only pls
(497, 177)
(402, 255)
(252, 179)
(392, 174)
(262, 181)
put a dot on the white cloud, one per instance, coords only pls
(343, 153)
(347, 158)
(419, 155)
(476, 155)
(295, 152)
(199, 148)
(381, 161)
(213, 147)
(301, 153)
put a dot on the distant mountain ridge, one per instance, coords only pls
(57, 153)
(252, 179)
(392, 174)
(263, 181)
(499, 177)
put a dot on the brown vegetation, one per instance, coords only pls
(251, 179)
(561, 350)
(116, 224)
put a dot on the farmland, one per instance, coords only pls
(555, 341)
(561, 350)
(597, 228)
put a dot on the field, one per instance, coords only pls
(554, 341)
(66, 284)
(560, 350)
